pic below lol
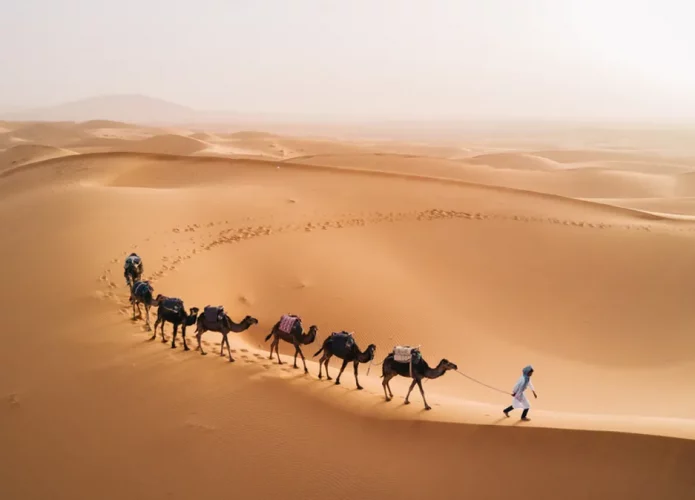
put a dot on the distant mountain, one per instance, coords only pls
(129, 108)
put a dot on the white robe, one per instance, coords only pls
(520, 400)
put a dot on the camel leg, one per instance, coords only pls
(337, 379)
(356, 364)
(328, 358)
(321, 361)
(183, 337)
(272, 345)
(324, 361)
(299, 350)
(164, 339)
(226, 341)
(385, 385)
(173, 339)
(224, 337)
(198, 336)
(276, 343)
(156, 323)
(147, 316)
(419, 384)
(409, 390)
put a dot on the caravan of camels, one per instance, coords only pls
(404, 361)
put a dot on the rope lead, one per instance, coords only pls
(481, 383)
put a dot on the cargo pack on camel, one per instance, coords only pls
(214, 315)
(407, 354)
(290, 322)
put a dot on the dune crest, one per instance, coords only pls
(519, 161)
(28, 153)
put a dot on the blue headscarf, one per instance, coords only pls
(527, 369)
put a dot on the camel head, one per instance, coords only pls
(311, 334)
(371, 348)
(445, 365)
(250, 320)
(192, 317)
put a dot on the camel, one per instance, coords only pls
(420, 370)
(343, 346)
(141, 293)
(133, 269)
(214, 319)
(171, 310)
(297, 337)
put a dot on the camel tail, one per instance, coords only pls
(318, 352)
(268, 336)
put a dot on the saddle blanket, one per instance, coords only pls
(343, 333)
(287, 322)
(213, 314)
(141, 287)
(341, 342)
(403, 354)
(172, 304)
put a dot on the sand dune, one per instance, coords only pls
(171, 144)
(109, 124)
(28, 153)
(57, 134)
(489, 266)
(519, 161)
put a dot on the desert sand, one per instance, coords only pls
(572, 253)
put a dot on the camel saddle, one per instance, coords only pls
(141, 287)
(213, 314)
(172, 304)
(406, 354)
(288, 322)
(341, 342)
(132, 261)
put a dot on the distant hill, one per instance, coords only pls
(129, 108)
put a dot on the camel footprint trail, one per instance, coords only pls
(191, 244)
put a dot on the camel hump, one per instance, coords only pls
(289, 322)
(213, 314)
(406, 353)
(142, 287)
(348, 336)
(173, 304)
(341, 342)
(343, 332)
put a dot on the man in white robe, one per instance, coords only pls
(520, 400)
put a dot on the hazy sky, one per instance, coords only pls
(397, 58)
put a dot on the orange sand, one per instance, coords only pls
(578, 261)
